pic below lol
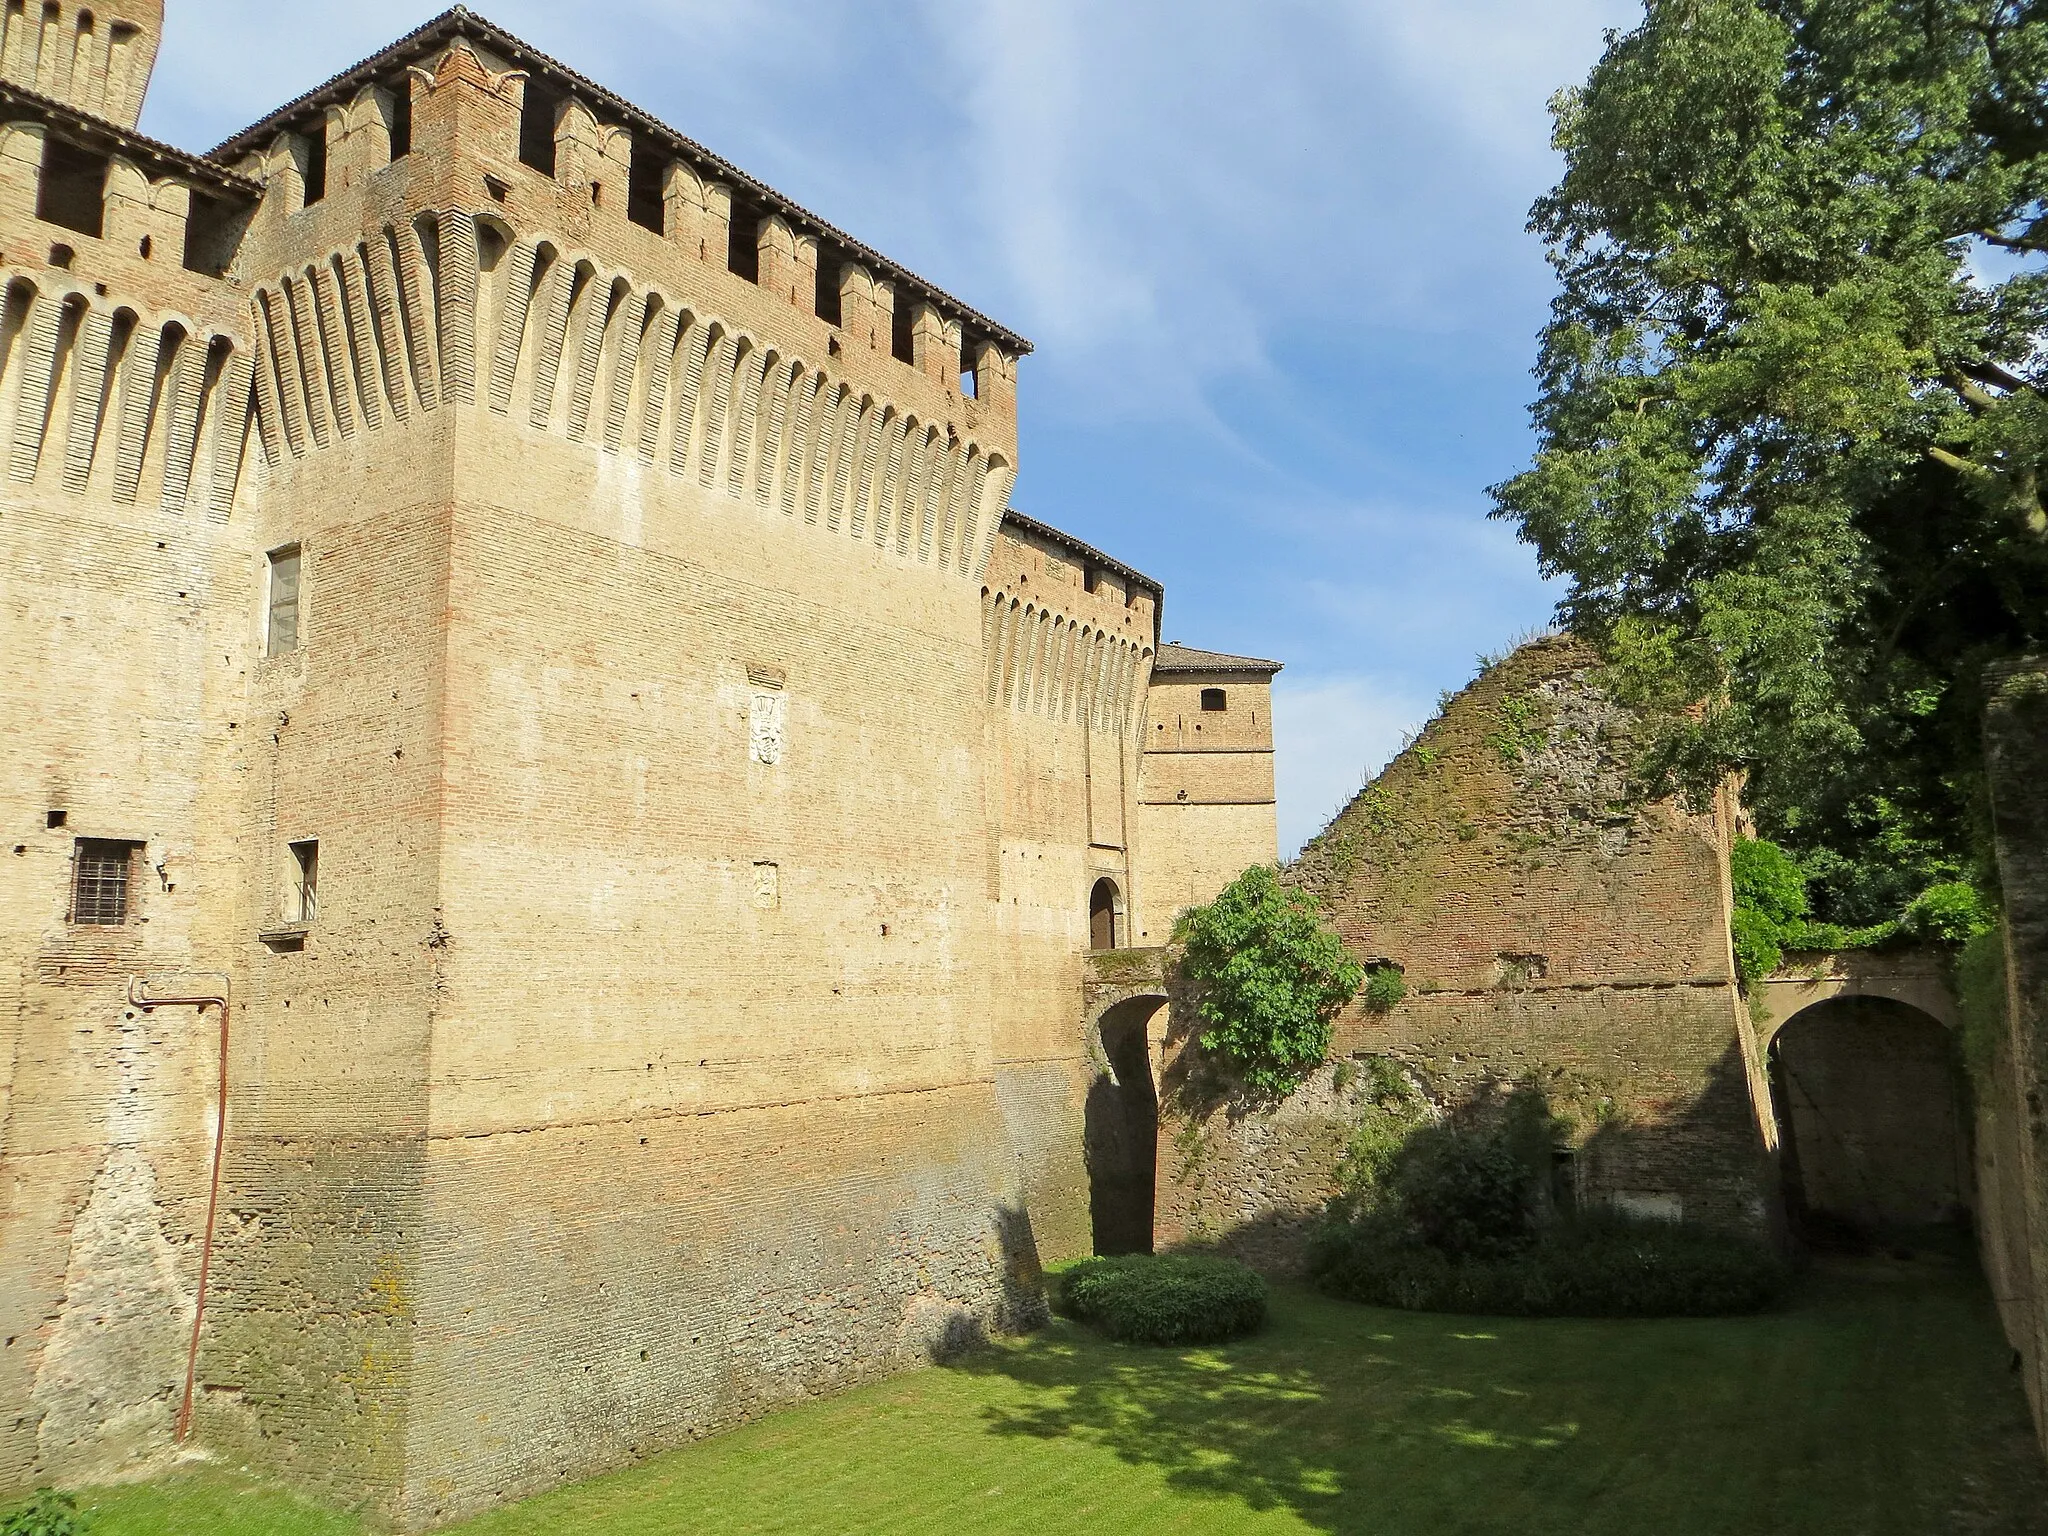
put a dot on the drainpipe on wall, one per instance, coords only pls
(138, 996)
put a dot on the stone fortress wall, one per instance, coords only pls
(601, 569)
(1547, 931)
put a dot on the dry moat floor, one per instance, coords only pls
(1881, 1400)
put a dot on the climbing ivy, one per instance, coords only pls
(1268, 977)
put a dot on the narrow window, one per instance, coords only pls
(316, 164)
(1090, 578)
(99, 892)
(305, 892)
(743, 245)
(826, 300)
(644, 205)
(902, 330)
(537, 127)
(401, 120)
(281, 633)
(1214, 701)
(73, 189)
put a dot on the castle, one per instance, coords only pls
(556, 816)
(574, 872)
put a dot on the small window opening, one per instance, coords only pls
(316, 164)
(644, 205)
(144, 246)
(1090, 578)
(903, 331)
(498, 190)
(281, 634)
(73, 188)
(743, 245)
(1102, 923)
(1215, 701)
(970, 375)
(61, 257)
(537, 127)
(55, 819)
(212, 231)
(305, 892)
(826, 299)
(100, 882)
(401, 120)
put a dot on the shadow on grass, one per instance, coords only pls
(1877, 1403)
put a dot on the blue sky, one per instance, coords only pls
(1272, 255)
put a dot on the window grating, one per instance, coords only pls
(100, 894)
(282, 633)
(305, 881)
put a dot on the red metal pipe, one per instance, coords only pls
(138, 997)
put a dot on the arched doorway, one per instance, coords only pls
(1866, 1095)
(1103, 918)
(1121, 1131)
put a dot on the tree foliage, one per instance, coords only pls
(1791, 421)
(1268, 977)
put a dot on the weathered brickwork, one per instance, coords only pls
(1546, 931)
(2012, 1129)
(536, 618)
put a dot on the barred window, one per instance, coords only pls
(305, 903)
(99, 896)
(282, 631)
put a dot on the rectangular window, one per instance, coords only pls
(743, 243)
(281, 632)
(316, 165)
(645, 184)
(1214, 701)
(537, 127)
(99, 891)
(305, 892)
(73, 188)
(401, 119)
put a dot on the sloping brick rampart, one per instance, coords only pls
(1547, 931)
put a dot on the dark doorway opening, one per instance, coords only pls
(1121, 1132)
(1867, 1096)
(1102, 923)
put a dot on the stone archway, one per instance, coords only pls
(1120, 1135)
(1867, 1095)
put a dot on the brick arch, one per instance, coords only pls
(1917, 977)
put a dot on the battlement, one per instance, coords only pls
(563, 150)
(95, 58)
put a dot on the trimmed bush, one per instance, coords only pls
(1169, 1299)
(1590, 1268)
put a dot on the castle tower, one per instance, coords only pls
(95, 58)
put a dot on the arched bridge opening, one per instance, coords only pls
(1121, 1129)
(1868, 1097)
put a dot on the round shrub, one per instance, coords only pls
(1951, 913)
(1169, 1299)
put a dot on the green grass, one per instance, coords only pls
(1879, 1402)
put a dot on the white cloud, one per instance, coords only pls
(1332, 733)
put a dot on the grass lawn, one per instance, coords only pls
(1880, 1401)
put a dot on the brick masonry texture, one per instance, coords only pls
(2011, 1143)
(1547, 932)
(709, 779)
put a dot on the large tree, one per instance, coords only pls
(1793, 443)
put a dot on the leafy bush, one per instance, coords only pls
(1770, 899)
(1385, 986)
(1170, 1299)
(1269, 977)
(49, 1514)
(1950, 913)
(1602, 1267)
